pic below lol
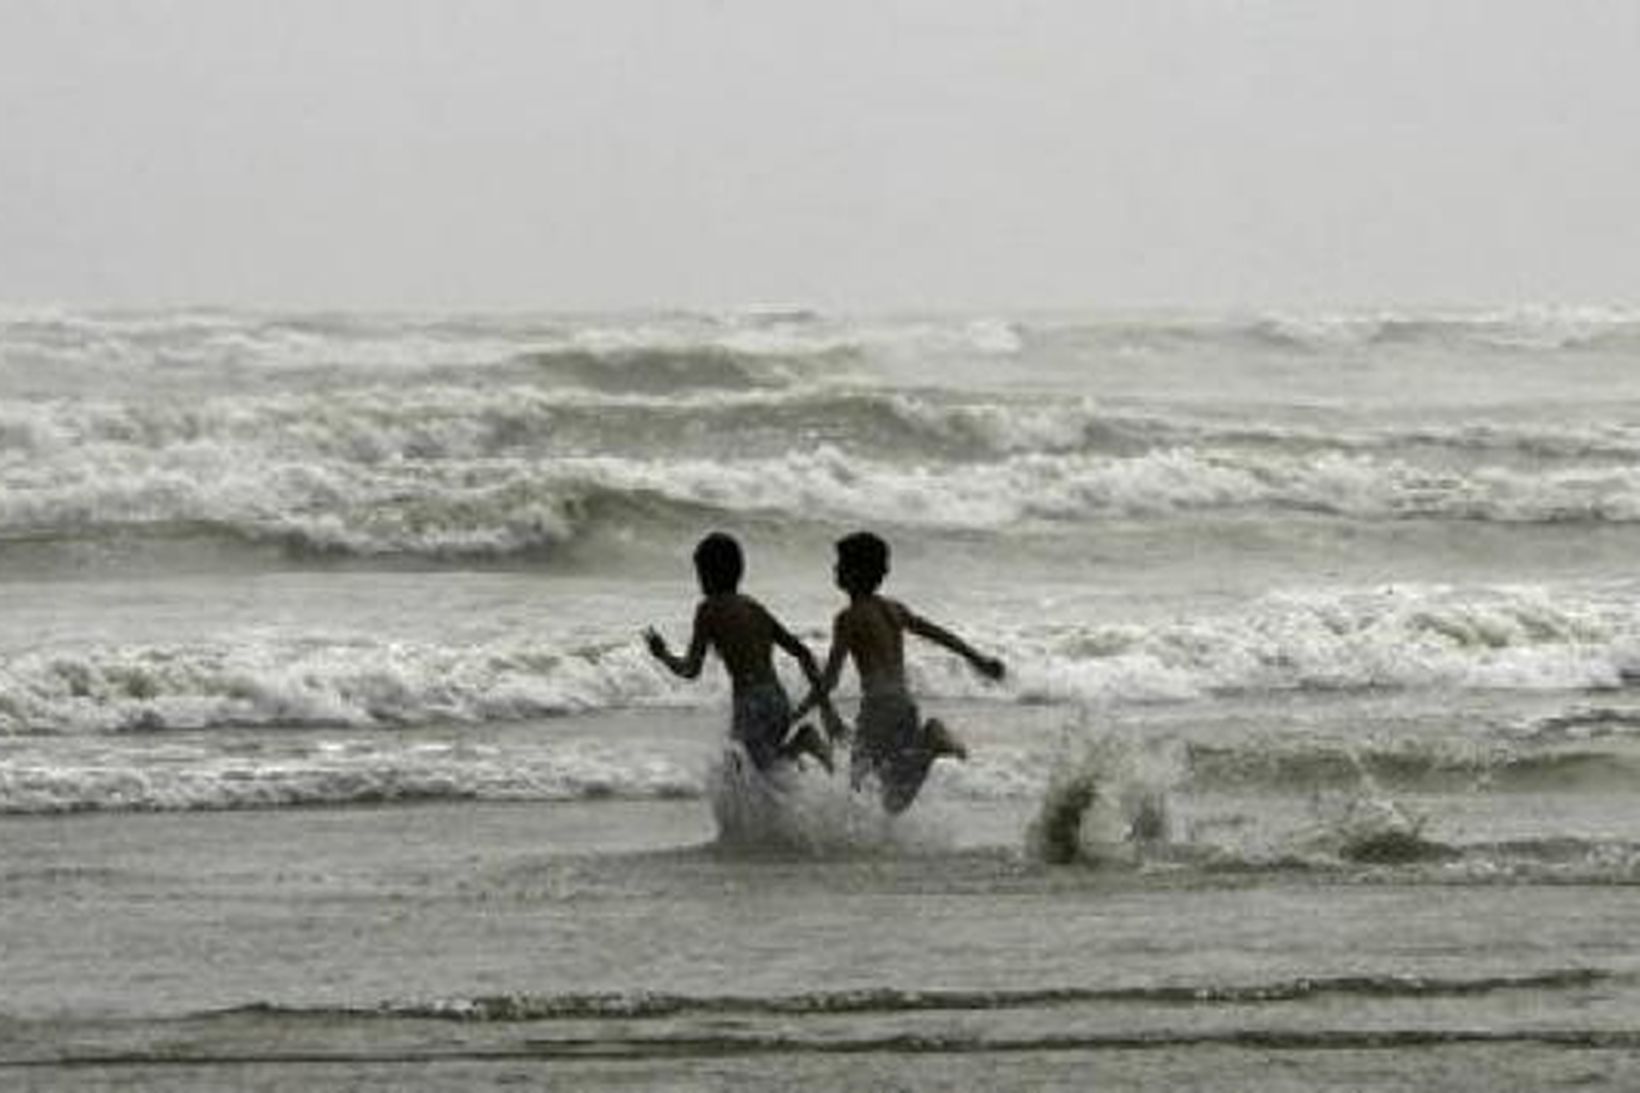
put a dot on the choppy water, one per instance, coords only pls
(1337, 600)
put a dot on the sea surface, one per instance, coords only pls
(330, 755)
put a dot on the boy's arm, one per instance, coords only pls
(989, 667)
(819, 691)
(796, 650)
(821, 688)
(688, 666)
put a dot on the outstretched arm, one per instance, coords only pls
(688, 666)
(989, 667)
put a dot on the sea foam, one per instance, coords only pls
(1402, 638)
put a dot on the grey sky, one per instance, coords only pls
(872, 154)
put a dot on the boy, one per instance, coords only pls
(743, 633)
(890, 742)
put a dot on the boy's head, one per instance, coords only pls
(718, 563)
(862, 563)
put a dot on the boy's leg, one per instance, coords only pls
(903, 776)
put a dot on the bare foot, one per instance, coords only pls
(942, 741)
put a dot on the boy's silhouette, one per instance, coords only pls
(891, 742)
(744, 634)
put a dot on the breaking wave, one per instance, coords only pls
(642, 349)
(1527, 329)
(316, 682)
(669, 371)
(519, 501)
(453, 419)
(1409, 638)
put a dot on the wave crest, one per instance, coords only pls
(299, 682)
(1521, 639)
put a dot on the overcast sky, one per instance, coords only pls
(861, 155)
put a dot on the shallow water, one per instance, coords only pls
(614, 943)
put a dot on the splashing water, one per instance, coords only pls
(1370, 827)
(800, 811)
(1103, 802)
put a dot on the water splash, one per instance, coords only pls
(1370, 827)
(1105, 802)
(793, 811)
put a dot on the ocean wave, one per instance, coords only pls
(315, 682)
(375, 424)
(77, 351)
(333, 773)
(681, 1052)
(153, 345)
(665, 370)
(1585, 723)
(1410, 765)
(523, 502)
(1469, 441)
(1390, 640)
(812, 816)
(733, 408)
(1526, 329)
(1530, 329)
(54, 345)
(645, 1005)
(1400, 638)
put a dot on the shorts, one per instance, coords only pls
(890, 746)
(762, 714)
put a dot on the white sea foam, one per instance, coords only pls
(507, 503)
(108, 344)
(1408, 637)
(1543, 327)
(788, 811)
(332, 773)
(828, 482)
(313, 681)
(471, 467)
(1405, 638)
(444, 419)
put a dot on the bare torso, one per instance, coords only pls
(742, 633)
(873, 630)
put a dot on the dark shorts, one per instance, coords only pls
(890, 746)
(762, 715)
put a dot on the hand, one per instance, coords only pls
(656, 643)
(991, 668)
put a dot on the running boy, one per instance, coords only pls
(743, 633)
(891, 742)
